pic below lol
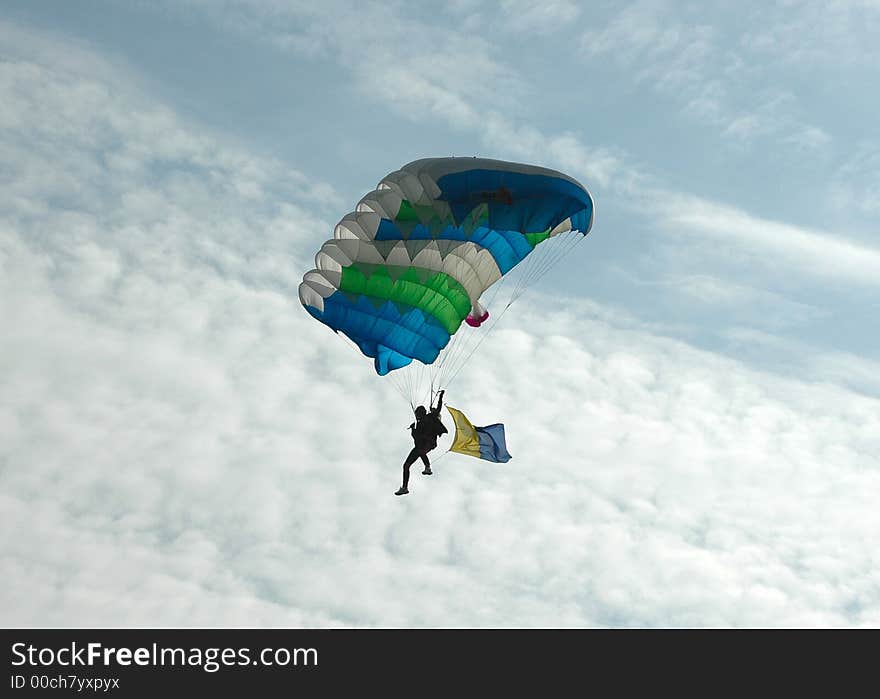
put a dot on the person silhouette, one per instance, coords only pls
(425, 430)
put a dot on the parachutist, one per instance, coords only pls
(424, 431)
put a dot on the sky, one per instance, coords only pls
(691, 397)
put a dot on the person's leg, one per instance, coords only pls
(410, 460)
(427, 470)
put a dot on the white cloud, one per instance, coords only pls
(421, 71)
(773, 114)
(601, 166)
(553, 16)
(738, 302)
(847, 369)
(670, 54)
(416, 68)
(856, 183)
(638, 28)
(808, 34)
(770, 244)
(826, 365)
(810, 138)
(689, 59)
(744, 127)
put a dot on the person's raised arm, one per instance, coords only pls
(439, 401)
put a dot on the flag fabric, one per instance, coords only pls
(486, 443)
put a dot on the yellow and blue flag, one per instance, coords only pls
(480, 442)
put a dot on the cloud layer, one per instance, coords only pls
(182, 445)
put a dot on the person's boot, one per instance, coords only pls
(427, 471)
(402, 491)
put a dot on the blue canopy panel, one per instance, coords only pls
(517, 201)
(582, 219)
(392, 333)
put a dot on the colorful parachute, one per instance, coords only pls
(410, 265)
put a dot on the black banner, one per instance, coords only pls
(146, 662)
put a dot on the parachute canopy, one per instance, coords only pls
(410, 264)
